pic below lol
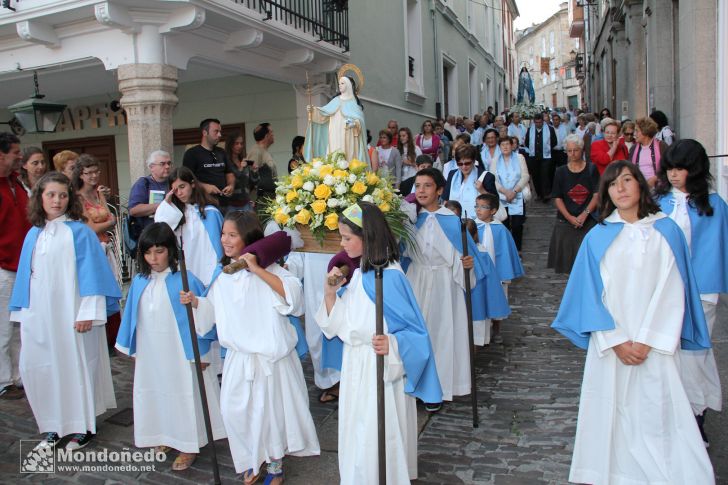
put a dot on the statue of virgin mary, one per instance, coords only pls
(338, 126)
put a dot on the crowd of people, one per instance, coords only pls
(637, 228)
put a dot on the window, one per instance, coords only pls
(553, 74)
(543, 46)
(569, 73)
(552, 47)
(545, 79)
(413, 49)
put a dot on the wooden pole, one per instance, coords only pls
(469, 309)
(379, 302)
(198, 366)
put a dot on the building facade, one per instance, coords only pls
(549, 53)
(667, 55)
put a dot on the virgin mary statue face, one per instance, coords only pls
(345, 87)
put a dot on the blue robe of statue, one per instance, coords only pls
(317, 133)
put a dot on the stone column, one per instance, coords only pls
(148, 96)
(636, 61)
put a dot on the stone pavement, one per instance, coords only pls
(528, 401)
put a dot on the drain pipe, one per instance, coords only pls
(438, 102)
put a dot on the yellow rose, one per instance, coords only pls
(384, 207)
(322, 192)
(291, 196)
(306, 171)
(340, 174)
(297, 180)
(281, 217)
(326, 170)
(332, 221)
(303, 217)
(318, 206)
(358, 188)
(372, 178)
(357, 166)
(387, 195)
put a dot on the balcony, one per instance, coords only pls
(576, 19)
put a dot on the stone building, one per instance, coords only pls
(669, 55)
(139, 75)
(550, 54)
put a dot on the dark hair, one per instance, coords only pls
(491, 199)
(353, 91)
(646, 207)
(424, 158)
(161, 235)
(464, 137)
(6, 140)
(472, 228)
(261, 131)
(379, 244)
(434, 174)
(489, 131)
(369, 136)
(84, 161)
(454, 206)
(466, 151)
(422, 128)
(387, 134)
(297, 143)
(247, 225)
(229, 142)
(199, 196)
(689, 155)
(609, 113)
(27, 153)
(410, 144)
(36, 214)
(660, 118)
(504, 139)
(205, 124)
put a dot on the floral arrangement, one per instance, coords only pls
(527, 111)
(315, 193)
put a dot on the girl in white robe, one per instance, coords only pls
(264, 399)
(190, 212)
(155, 331)
(351, 317)
(63, 292)
(635, 423)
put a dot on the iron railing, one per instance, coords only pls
(326, 19)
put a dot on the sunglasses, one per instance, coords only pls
(463, 164)
(628, 133)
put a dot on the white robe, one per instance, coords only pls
(482, 328)
(635, 424)
(167, 406)
(353, 319)
(311, 268)
(437, 278)
(264, 399)
(66, 374)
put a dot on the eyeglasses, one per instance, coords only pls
(628, 133)
(91, 172)
(463, 164)
(163, 164)
(484, 207)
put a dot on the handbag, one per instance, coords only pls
(527, 193)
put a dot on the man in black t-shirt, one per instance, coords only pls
(210, 164)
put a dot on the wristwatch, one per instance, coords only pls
(587, 211)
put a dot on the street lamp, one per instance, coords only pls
(36, 115)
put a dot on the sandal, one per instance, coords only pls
(183, 461)
(249, 478)
(273, 479)
(327, 397)
(162, 449)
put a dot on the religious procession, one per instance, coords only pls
(519, 295)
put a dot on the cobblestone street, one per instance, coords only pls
(528, 400)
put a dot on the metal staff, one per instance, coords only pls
(310, 112)
(198, 364)
(379, 304)
(469, 310)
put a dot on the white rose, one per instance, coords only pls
(286, 209)
(329, 180)
(368, 198)
(308, 186)
(352, 178)
(332, 202)
(340, 189)
(343, 164)
(280, 199)
(315, 172)
(299, 207)
(317, 163)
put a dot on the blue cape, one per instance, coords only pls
(301, 345)
(317, 134)
(407, 324)
(92, 269)
(507, 261)
(213, 225)
(709, 243)
(126, 339)
(582, 310)
(489, 299)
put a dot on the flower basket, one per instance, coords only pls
(331, 244)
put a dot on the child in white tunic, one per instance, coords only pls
(264, 398)
(155, 331)
(61, 297)
(351, 317)
(631, 298)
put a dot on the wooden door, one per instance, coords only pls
(103, 148)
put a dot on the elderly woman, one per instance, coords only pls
(462, 183)
(64, 161)
(647, 150)
(511, 179)
(610, 148)
(32, 167)
(576, 185)
(490, 150)
(390, 161)
(628, 128)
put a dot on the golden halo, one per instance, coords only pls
(343, 70)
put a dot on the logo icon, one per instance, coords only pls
(37, 458)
